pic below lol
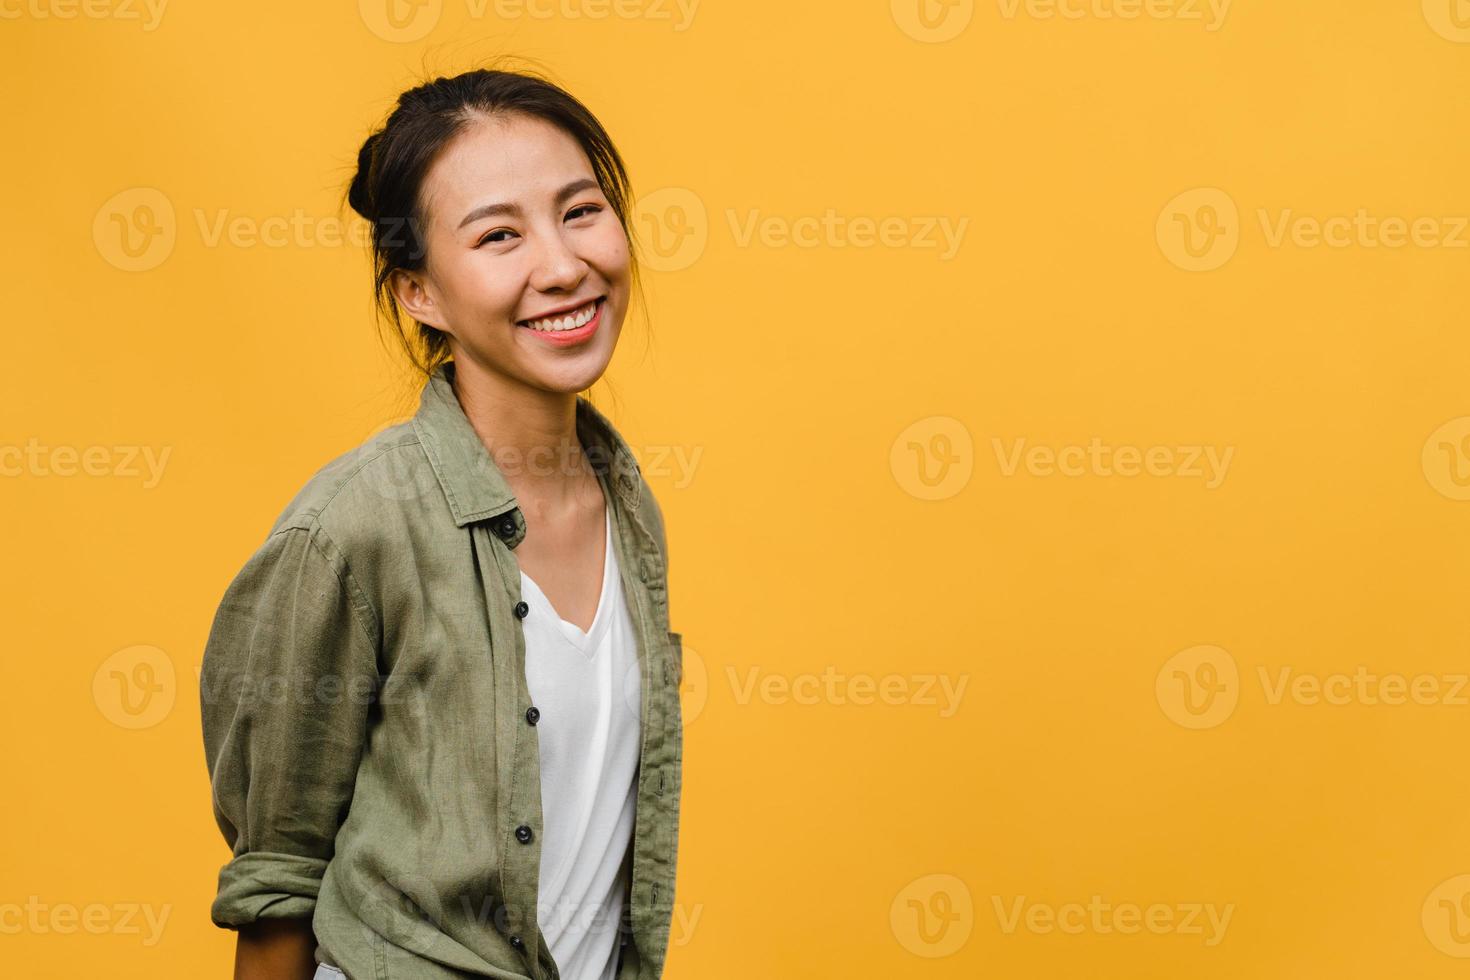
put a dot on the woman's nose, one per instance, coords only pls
(557, 265)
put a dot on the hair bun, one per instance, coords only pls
(359, 195)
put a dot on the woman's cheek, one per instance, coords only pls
(611, 248)
(495, 287)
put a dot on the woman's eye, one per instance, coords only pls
(499, 234)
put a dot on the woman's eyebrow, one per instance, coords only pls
(488, 210)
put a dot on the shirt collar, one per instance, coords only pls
(472, 483)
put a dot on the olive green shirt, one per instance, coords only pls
(367, 722)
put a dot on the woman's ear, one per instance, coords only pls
(414, 295)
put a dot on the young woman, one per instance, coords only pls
(440, 702)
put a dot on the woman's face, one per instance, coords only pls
(517, 229)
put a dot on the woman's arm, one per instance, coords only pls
(276, 949)
(289, 674)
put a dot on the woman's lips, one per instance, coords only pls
(566, 338)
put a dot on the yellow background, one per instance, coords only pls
(815, 393)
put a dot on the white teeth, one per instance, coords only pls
(571, 322)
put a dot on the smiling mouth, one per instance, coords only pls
(564, 322)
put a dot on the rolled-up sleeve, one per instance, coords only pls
(289, 672)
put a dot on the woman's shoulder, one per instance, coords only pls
(344, 527)
(365, 490)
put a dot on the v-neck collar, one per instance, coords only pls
(473, 484)
(585, 642)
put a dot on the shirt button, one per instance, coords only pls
(506, 528)
(533, 714)
(521, 610)
(517, 942)
(523, 834)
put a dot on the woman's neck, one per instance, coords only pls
(531, 436)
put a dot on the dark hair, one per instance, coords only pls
(394, 160)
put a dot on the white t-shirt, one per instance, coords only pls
(586, 686)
